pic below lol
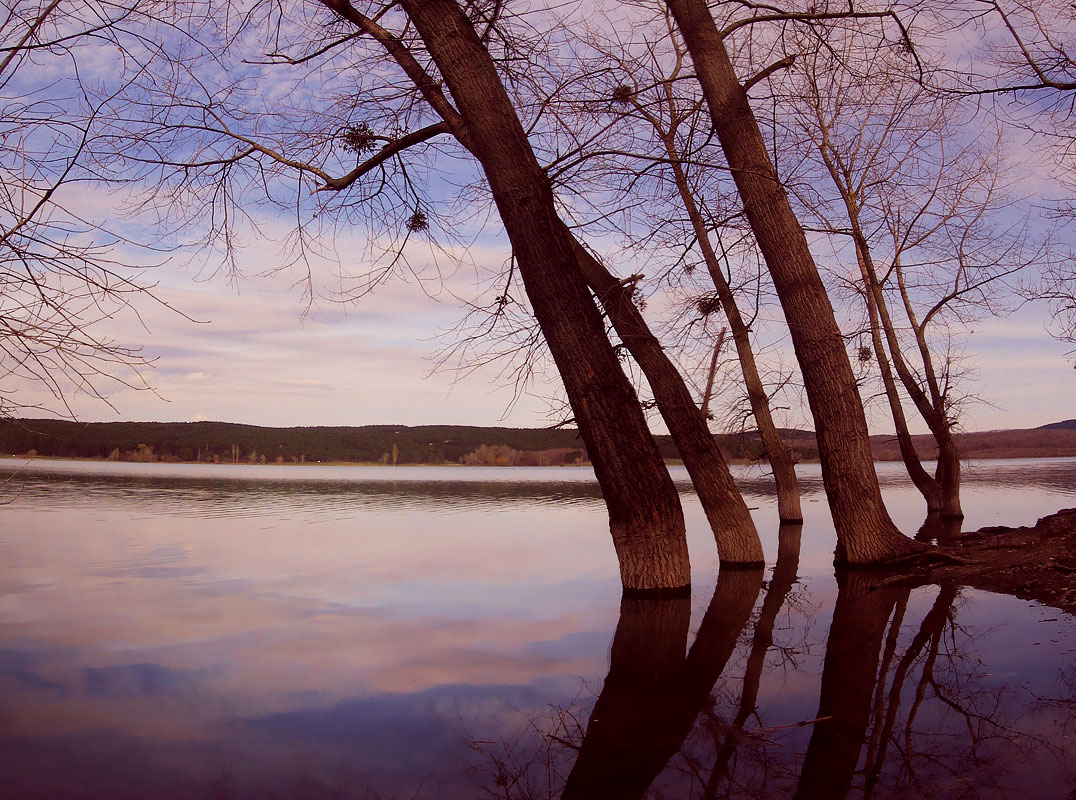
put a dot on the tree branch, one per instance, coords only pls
(391, 149)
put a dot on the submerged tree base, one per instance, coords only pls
(657, 594)
(1033, 563)
(727, 565)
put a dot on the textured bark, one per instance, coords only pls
(865, 532)
(645, 517)
(653, 694)
(784, 468)
(734, 530)
(848, 680)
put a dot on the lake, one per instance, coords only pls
(209, 631)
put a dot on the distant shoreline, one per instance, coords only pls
(450, 464)
(386, 445)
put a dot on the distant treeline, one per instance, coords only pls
(225, 442)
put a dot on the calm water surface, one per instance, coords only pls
(182, 631)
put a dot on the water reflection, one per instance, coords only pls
(905, 710)
(848, 679)
(653, 693)
(200, 636)
(943, 530)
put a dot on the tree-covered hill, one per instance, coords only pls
(1064, 425)
(227, 442)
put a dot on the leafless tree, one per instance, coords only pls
(63, 66)
(1020, 63)
(654, 188)
(426, 48)
(936, 231)
(865, 532)
(214, 143)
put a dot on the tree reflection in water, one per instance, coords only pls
(653, 693)
(894, 720)
(943, 530)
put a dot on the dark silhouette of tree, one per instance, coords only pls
(62, 273)
(865, 533)
(853, 652)
(653, 693)
(652, 156)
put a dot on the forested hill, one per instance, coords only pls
(228, 442)
(1064, 425)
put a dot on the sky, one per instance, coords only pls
(254, 350)
(251, 352)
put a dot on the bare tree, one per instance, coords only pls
(62, 272)
(928, 210)
(414, 101)
(649, 168)
(733, 528)
(865, 533)
(1021, 64)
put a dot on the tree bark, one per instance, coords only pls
(645, 517)
(865, 532)
(942, 490)
(734, 530)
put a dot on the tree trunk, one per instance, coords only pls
(940, 529)
(941, 491)
(923, 480)
(734, 530)
(943, 496)
(865, 533)
(645, 517)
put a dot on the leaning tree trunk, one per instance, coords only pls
(942, 490)
(865, 532)
(645, 517)
(784, 468)
(734, 531)
(944, 497)
(923, 480)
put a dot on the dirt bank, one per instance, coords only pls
(1033, 563)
